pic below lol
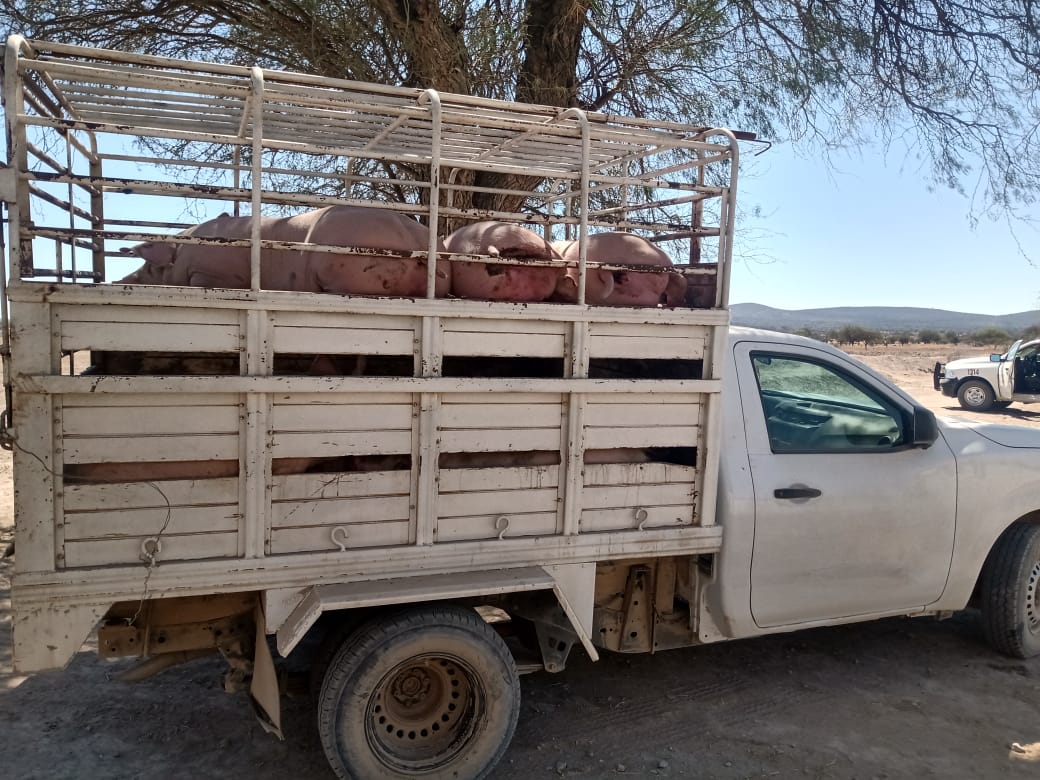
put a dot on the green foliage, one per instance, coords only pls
(928, 336)
(952, 337)
(1031, 332)
(854, 334)
(990, 336)
(964, 75)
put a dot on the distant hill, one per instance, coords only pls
(884, 318)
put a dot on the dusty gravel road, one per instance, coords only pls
(894, 699)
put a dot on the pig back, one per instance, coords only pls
(634, 288)
(500, 282)
(372, 274)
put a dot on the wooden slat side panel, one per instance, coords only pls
(138, 495)
(343, 340)
(548, 345)
(123, 421)
(299, 487)
(174, 548)
(141, 524)
(626, 496)
(158, 336)
(596, 520)
(622, 340)
(162, 448)
(638, 474)
(642, 415)
(339, 511)
(663, 436)
(457, 529)
(340, 443)
(518, 478)
(500, 416)
(341, 417)
(471, 425)
(158, 400)
(162, 315)
(498, 502)
(500, 440)
(642, 420)
(319, 539)
(491, 399)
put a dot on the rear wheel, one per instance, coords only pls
(975, 395)
(427, 692)
(1010, 592)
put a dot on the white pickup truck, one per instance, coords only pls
(476, 486)
(996, 381)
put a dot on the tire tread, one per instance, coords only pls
(1002, 592)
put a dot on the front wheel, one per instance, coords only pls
(1009, 590)
(975, 395)
(426, 692)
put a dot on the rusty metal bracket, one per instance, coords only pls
(638, 616)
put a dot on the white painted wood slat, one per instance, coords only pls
(513, 478)
(457, 529)
(598, 520)
(128, 551)
(662, 436)
(336, 443)
(143, 523)
(121, 421)
(138, 495)
(497, 502)
(341, 417)
(117, 449)
(299, 487)
(319, 538)
(500, 440)
(338, 511)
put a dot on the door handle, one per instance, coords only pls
(797, 492)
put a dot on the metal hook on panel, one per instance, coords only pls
(501, 525)
(641, 517)
(339, 536)
(150, 549)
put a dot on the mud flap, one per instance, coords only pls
(263, 690)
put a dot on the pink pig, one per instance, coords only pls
(210, 265)
(625, 288)
(494, 282)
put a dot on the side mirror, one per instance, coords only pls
(926, 428)
(995, 357)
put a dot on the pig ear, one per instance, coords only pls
(153, 252)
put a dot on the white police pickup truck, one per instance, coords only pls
(984, 383)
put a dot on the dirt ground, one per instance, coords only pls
(901, 698)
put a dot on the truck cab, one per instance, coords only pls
(983, 383)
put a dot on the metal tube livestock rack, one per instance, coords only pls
(522, 444)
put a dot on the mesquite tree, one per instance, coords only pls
(964, 75)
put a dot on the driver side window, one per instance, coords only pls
(812, 407)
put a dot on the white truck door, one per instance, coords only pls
(1023, 380)
(849, 520)
(1006, 373)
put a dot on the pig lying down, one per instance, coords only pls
(621, 288)
(212, 265)
(372, 273)
(494, 282)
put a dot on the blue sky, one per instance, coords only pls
(866, 231)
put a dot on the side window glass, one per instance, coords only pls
(811, 407)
